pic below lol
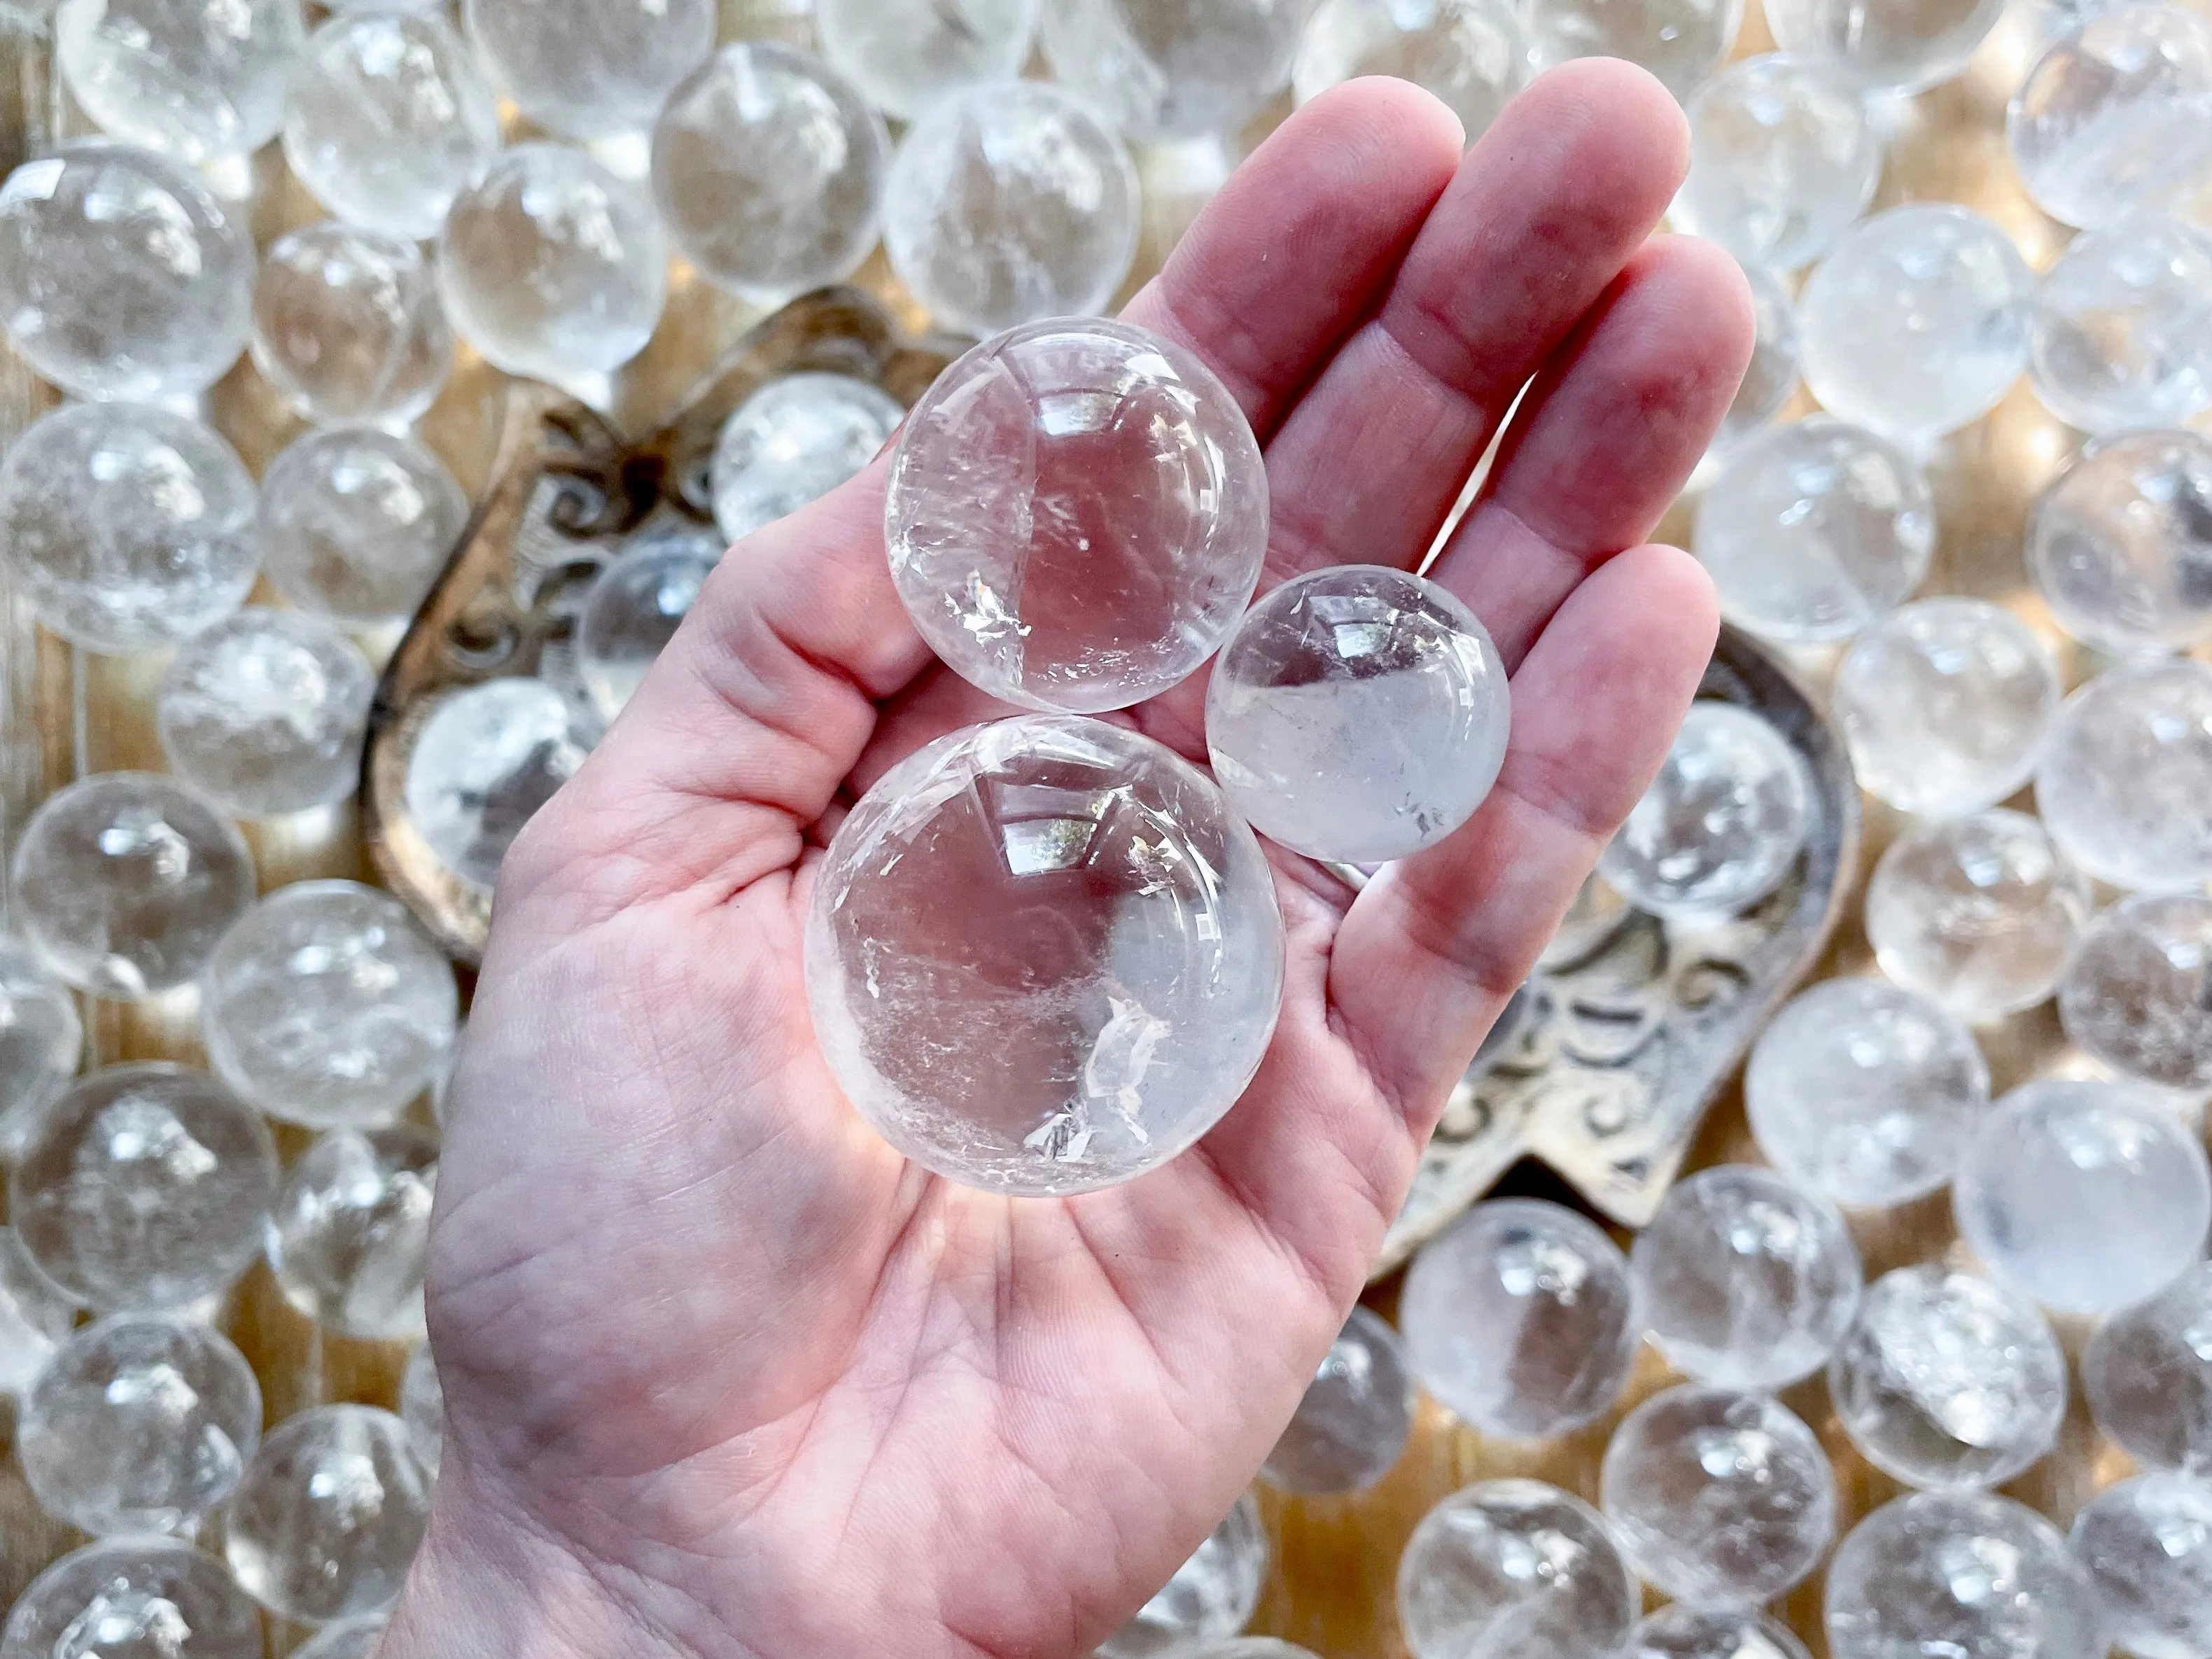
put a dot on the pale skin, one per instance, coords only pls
(725, 1378)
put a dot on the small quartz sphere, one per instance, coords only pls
(904, 55)
(329, 1515)
(133, 1598)
(141, 1423)
(348, 326)
(390, 118)
(1358, 713)
(121, 275)
(352, 1231)
(1680, 41)
(1944, 706)
(1172, 68)
(1815, 529)
(1967, 1574)
(2120, 334)
(1009, 204)
(550, 267)
(2119, 542)
(36, 1316)
(1770, 377)
(1744, 1281)
(632, 611)
(2148, 1374)
(146, 1189)
(485, 761)
(1723, 823)
(423, 1408)
(1471, 54)
(327, 1004)
(125, 880)
(265, 712)
(1980, 915)
(356, 1638)
(357, 523)
(591, 68)
(1945, 1380)
(1076, 515)
(1521, 1317)
(1894, 45)
(1212, 1595)
(2087, 1196)
(1043, 956)
(1712, 1630)
(1352, 1423)
(2125, 781)
(1513, 1570)
(127, 527)
(2147, 1546)
(41, 1037)
(794, 442)
(196, 79)
(2138, 994)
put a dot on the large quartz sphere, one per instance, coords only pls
(1076, 515)
(1043, 956)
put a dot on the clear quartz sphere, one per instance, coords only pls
(1076, 515)
(1173, 68)
(1770, 377)
(1010, 205)
(390, 118)
(348, 326)
(904, 55)
(36, 1316)
(1945, 1380)
(1744, 1281)
(195, 79)
(357, 523)
(141, 1423)
(1980, 915)
(2087, 1196)
(127, 527)
(1521, 1317)
(2138, 993)
(1471, 54)
(633, 609)
(1352, 1424)
(1043, 956)
(146, 1189)
(125, 880)
(1814, 529)
(591, 68)
(1916, 323)
(266, 712)
(2120, 334)
(129, 1598)
(2125, 781)
(41, 1037)
(423, 1408)
(1680, 41)
(794, 442)
(327, 1004)
(1944, 706)
(1896, 46)
(2147, 1546)
(1513, 1570)
(1711, 1630)
(1721, 825)
(121, 274)
(352, 1231)
(2119, 542)
(329, 1515)
(1358, 713)
(2148, 1374)
(485, 761)
(1212, 1595)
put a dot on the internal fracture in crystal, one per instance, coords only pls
(352, 1231)
(1711, 1630)
(485, 761)
(356, 523)
(195, 79)
(1513, 1570)
(2138, 993)
(2147, 1546)
(2119, 542)
(1352, 1423)
(348, 326)
(2121, 331)
(2148, 1374)
(794, 442)
(905, 55)
(131, 1597)
(2124, 784)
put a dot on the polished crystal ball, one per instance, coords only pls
(352, 1231)
(195, 79)
(1894, 45)
(266, 712)
(1770, 378)
(41, 1038)
(1782, 159)
(1471, 54)
(2148, 1374)
(141, 1423)
(2121, 331)
(1076, 514)
(794, 442)
(1916, 323)
(133, 1598)
(2125, 781)
(2138, 993)
(1680, 41)
(146, 1189)
(36, 1315)
(121, 275)
(1745, 1280)
(329, 1515)
(632, 611)
(485, 761)
(348, 326)
(390, 118)
(1211, 1595)
(1721, 825)
(1513, 1570)
(1173, 68)
(1008, 204)
(1358, 713)
(357, 523)
(1521, 1316)
(423, 1408)
(327, 1004)
(1043, 956)
(1980, 915)
(1944, 706)
(591, 68)
(904, 55)
(1813, 530)
(1711, 1630)
(2120, 542)
(1352, 1423)
(125, 880)
(352, 1638)
(127, 527)
(2147, 1546)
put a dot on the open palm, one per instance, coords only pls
(724, 1374)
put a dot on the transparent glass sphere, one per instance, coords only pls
(390, 118)
(1471, 54)
(2121, 331)
(1898, 46)
(266, 712)
(1770, 377)
(1680, 41)
(1944, 706)
(36, 1315)
(1043, 956)
(352, 1231)
(357, 523)
(121, 275)
(41, 1038)
(2138, 993)
(194, 79)
(632, 611)
(1358, 713)
(1513, 1570)
(1712, 1630)
(2119, 543)
(1916, 323)
(1352, 1424)
(354, 1638)
(1521, 1317)
(1782, 159)
(128, 1598)
(591, 68)
(127, 527)
(1009, 204)
(348, 326)
(125, 880)
(146, 1189)
(2147, 1374)
(329, 1515)
(904, 55)
(141, 1423)
(1172, 68)
(794, 442)
(2125, 781)
(327, 1004)
(1076, 515)
(485, 761)
(1979, 915)
(1210, 1596)
(2147, 1546)
(1813, 530)
(423, 1408)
